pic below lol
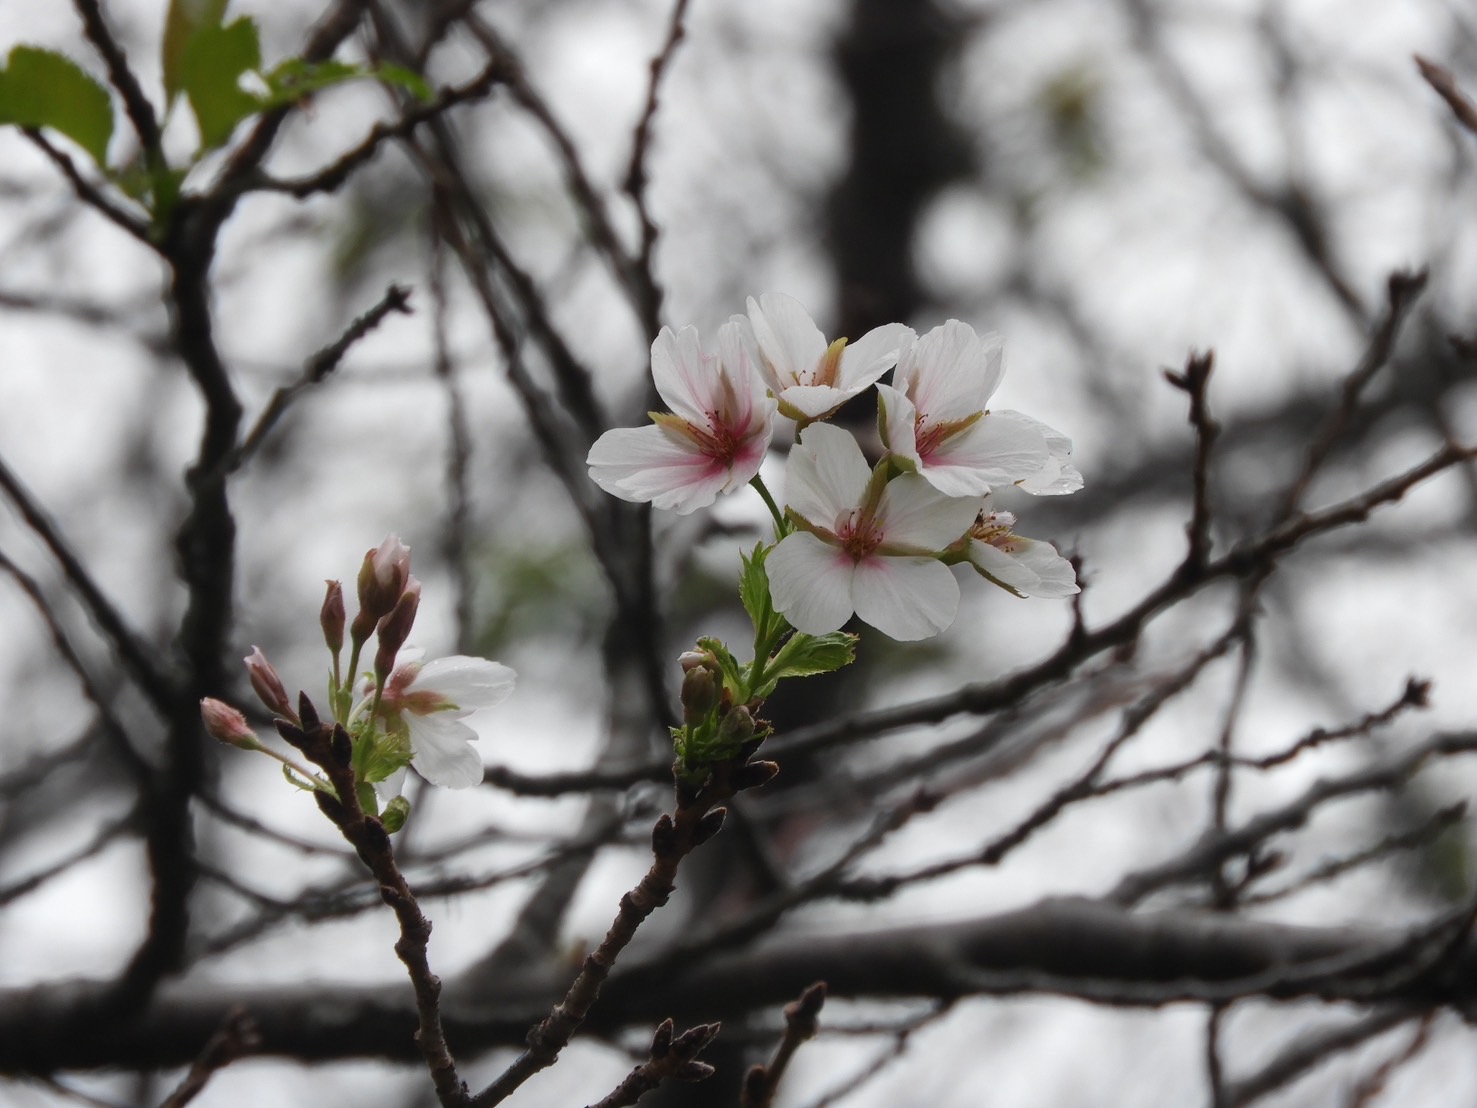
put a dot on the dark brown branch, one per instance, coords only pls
(697, 818)
(1312, 1049)
(317, 369)
(236, 1038)
(672, 1057)
(802, 1021)
(1092, 950)
(135, 103)
(1441, 79)
(138, 661)
(332, 177)
(635, 182)
(330, 749)
(89, 193)
(1402, 291)
(1194, 381)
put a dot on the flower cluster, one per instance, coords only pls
(406, 713)
(876, 540)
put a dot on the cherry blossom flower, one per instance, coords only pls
(863, 545)
(1026, 567)
(712, 441)
(429, 701)
(811, 378)
(935, 422)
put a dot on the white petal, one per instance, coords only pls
(898, 423)
(788, 338)
(951, 373)
(1035, 568)
(441, 751)
(905, 598)
(468, 682)
(827, 474)
(657, 465)
(738, 355)
(915, 515)
(813, 401)
(872, 355)
(684, 379)
(810, 583)
(1058, 476)
(994, 450)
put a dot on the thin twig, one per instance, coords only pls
(802, 1021)
(672, 1057)
(237, 1037)
(1440, 78)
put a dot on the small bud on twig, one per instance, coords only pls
(332, 617)
(395, 629)
(708, 826)
(225, 724)
(753, 775)
(267, 684)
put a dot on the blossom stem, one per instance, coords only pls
(781, 528)
(302, 771)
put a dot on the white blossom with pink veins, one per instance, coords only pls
(431, 699)
(1026, 567)
(712, 441)
(934, 419)
(862, 546)
(810, 377)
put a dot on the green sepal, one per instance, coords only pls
(210, 70)
(369, 804)
(395, 814)
(380, 754)
(41, 88)
(733, 674)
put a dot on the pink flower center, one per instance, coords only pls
(718, 440)
(858, 533)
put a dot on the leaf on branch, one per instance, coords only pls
(807, 655)
(211, 67)
(41, 88)
(294, 79)
(754, 587)
(186, 19)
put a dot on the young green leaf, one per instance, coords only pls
(754, 588)
(211, 67)
(806, 655)
(40, 88)
(185, 20)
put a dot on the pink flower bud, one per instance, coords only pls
(225, 724)
(382, 580)
(267, 685)
(699, 695)
(332, 617)
(395, 629)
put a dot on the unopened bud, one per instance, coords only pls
(332, 617)
(708, 826)
(737, 727)
(267, 684)
(395, 814)
(699, 695)
(753, 775)
(225, 724)
(383, 577)
(693, 659)
(395, 629)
